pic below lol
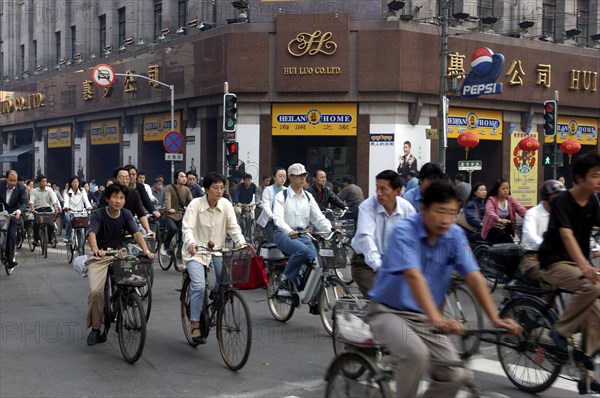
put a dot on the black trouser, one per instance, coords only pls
(11, 241)
(36, 225)
(171, 227)
(497, 235)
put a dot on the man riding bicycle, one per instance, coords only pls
(207, 219)
(43, 200)
(107, 230)
(421, 254)
(13, 197)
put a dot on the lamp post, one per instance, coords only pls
(170, 87)
(442, 143)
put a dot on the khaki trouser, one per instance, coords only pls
(530, 267)
(97, 270)
(582, 313)
(363, 275)
(408, 336)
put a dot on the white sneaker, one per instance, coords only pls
(163, 251)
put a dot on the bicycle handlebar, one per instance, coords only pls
(212, 248)
(327, 236)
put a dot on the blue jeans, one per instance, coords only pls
(197, 275)
(300, 250)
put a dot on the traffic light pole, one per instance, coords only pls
(443, 66)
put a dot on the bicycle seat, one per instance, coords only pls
(269, 251)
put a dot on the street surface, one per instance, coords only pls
(43, 351)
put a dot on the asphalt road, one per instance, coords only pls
(43, 351)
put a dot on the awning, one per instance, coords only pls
(13, 155)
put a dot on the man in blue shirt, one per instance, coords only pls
(421, 254)
(429, 172)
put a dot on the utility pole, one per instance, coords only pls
(443, 130)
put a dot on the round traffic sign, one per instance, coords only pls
(173, 141)
(103, 75)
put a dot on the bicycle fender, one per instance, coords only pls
(533, 301)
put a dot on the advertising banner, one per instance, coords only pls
(582, 130)
(523, 170)
(105, 132)
(59, 137)
(314, 119)
(156, 126)
(487, 125)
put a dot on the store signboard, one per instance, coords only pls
(580, 129)
(59, 137)
(105, 132)
(156, 126)
(524, 170)
(487, 125)
(314, 119)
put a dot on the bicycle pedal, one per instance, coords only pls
(584, 359)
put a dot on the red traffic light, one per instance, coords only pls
(232, 148)
(549, 107)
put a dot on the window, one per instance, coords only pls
(2, 74)
(102, 25)
(121, 12)
(485, 8)
(58, 46)
(157, 18)
(35, 54)
(22, 48)
(183, 12)
(548, 18)
(73, 41)
(583, 21)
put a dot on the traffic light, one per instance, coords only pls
(232, 152)
(229, 113)
(550, 114)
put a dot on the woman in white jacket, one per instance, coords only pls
(76, 201)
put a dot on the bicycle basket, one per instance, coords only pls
(79, 222)
(344, 225)
(44, 218)
(349, 314)
(129, 271)
(332, 254)
(505, 257)
(239, 265)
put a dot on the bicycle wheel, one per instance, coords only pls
(281, 308)
(70, 252)
(20, 237)
(186, 294)
(331, 291)
(132, 326)
(345, 274)
(165, 262)
(44, 241)
(258, 236)
(234, 330)
(529, 365)
(460, 305)
(370, 382)
(3, 237)
(30, 237)
(482, 257)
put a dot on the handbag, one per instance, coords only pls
(249, 272)
(462, 221)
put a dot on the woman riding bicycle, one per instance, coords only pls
(75, 200)
(207, 219)
(500, 214)
(474, 211)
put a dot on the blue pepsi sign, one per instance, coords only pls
(485, 69)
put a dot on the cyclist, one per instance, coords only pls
(207, 219)
(192, 184)
(43, 199)
(141, 179)
(107, 230)
(13, 197)
(376, 219)
(177, 197)
(244, 194)
(322, 193)
(75, 200)
(265, 219)
(133, 184)
(294, 209)
(429, 173)
(564, 257)
(422, 252)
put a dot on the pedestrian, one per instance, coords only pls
(463, 189)
(429, 173)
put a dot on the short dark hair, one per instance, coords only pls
(73, 179)
(129, 167)
(475, 187)
(41, 177)
(407, 143)
(348, 178)
(176, 174)
(585, 163)
(115, 188)
(117, 169)
(439, 192)
(394, 178)
(212, 178)
(277, 169)
(9, 172)
(317, 170)
(191, 172)
(430, 171)
(247, 176)
(494, 190)
(412, 173)
(141, 173)
(460, 177)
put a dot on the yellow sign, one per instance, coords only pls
(156, 126)
(59, 137)
(582, 130)
(314, 119)
(105, 132)
(486, 124)
(524, 170)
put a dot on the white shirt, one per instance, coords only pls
(45, 198)
(267, 202)
(375, 226)
(77, 201)
(535, 225)
(149, 192)
(201, 225)
(298, 212)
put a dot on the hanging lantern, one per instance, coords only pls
(570, 147)
(529, 144)
(467, 140)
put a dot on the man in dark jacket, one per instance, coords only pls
(133, 184)
(13, 197)
(322, 193)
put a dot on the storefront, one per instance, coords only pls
(59, 160)
(104, 139)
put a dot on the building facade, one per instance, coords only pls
(339, 85)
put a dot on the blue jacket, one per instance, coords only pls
(474, 211)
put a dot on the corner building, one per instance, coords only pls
(338, 85)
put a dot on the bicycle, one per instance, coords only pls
(123, 305)
(79, 222)
(346, 225)
(319, 285)
(147, 270)
(173, 251)
(365, 367)
(224, 308)
(247, 221)
(5, 218)
(44, 220)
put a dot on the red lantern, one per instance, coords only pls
(468, 140)
(529, 144)
(570, 147)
